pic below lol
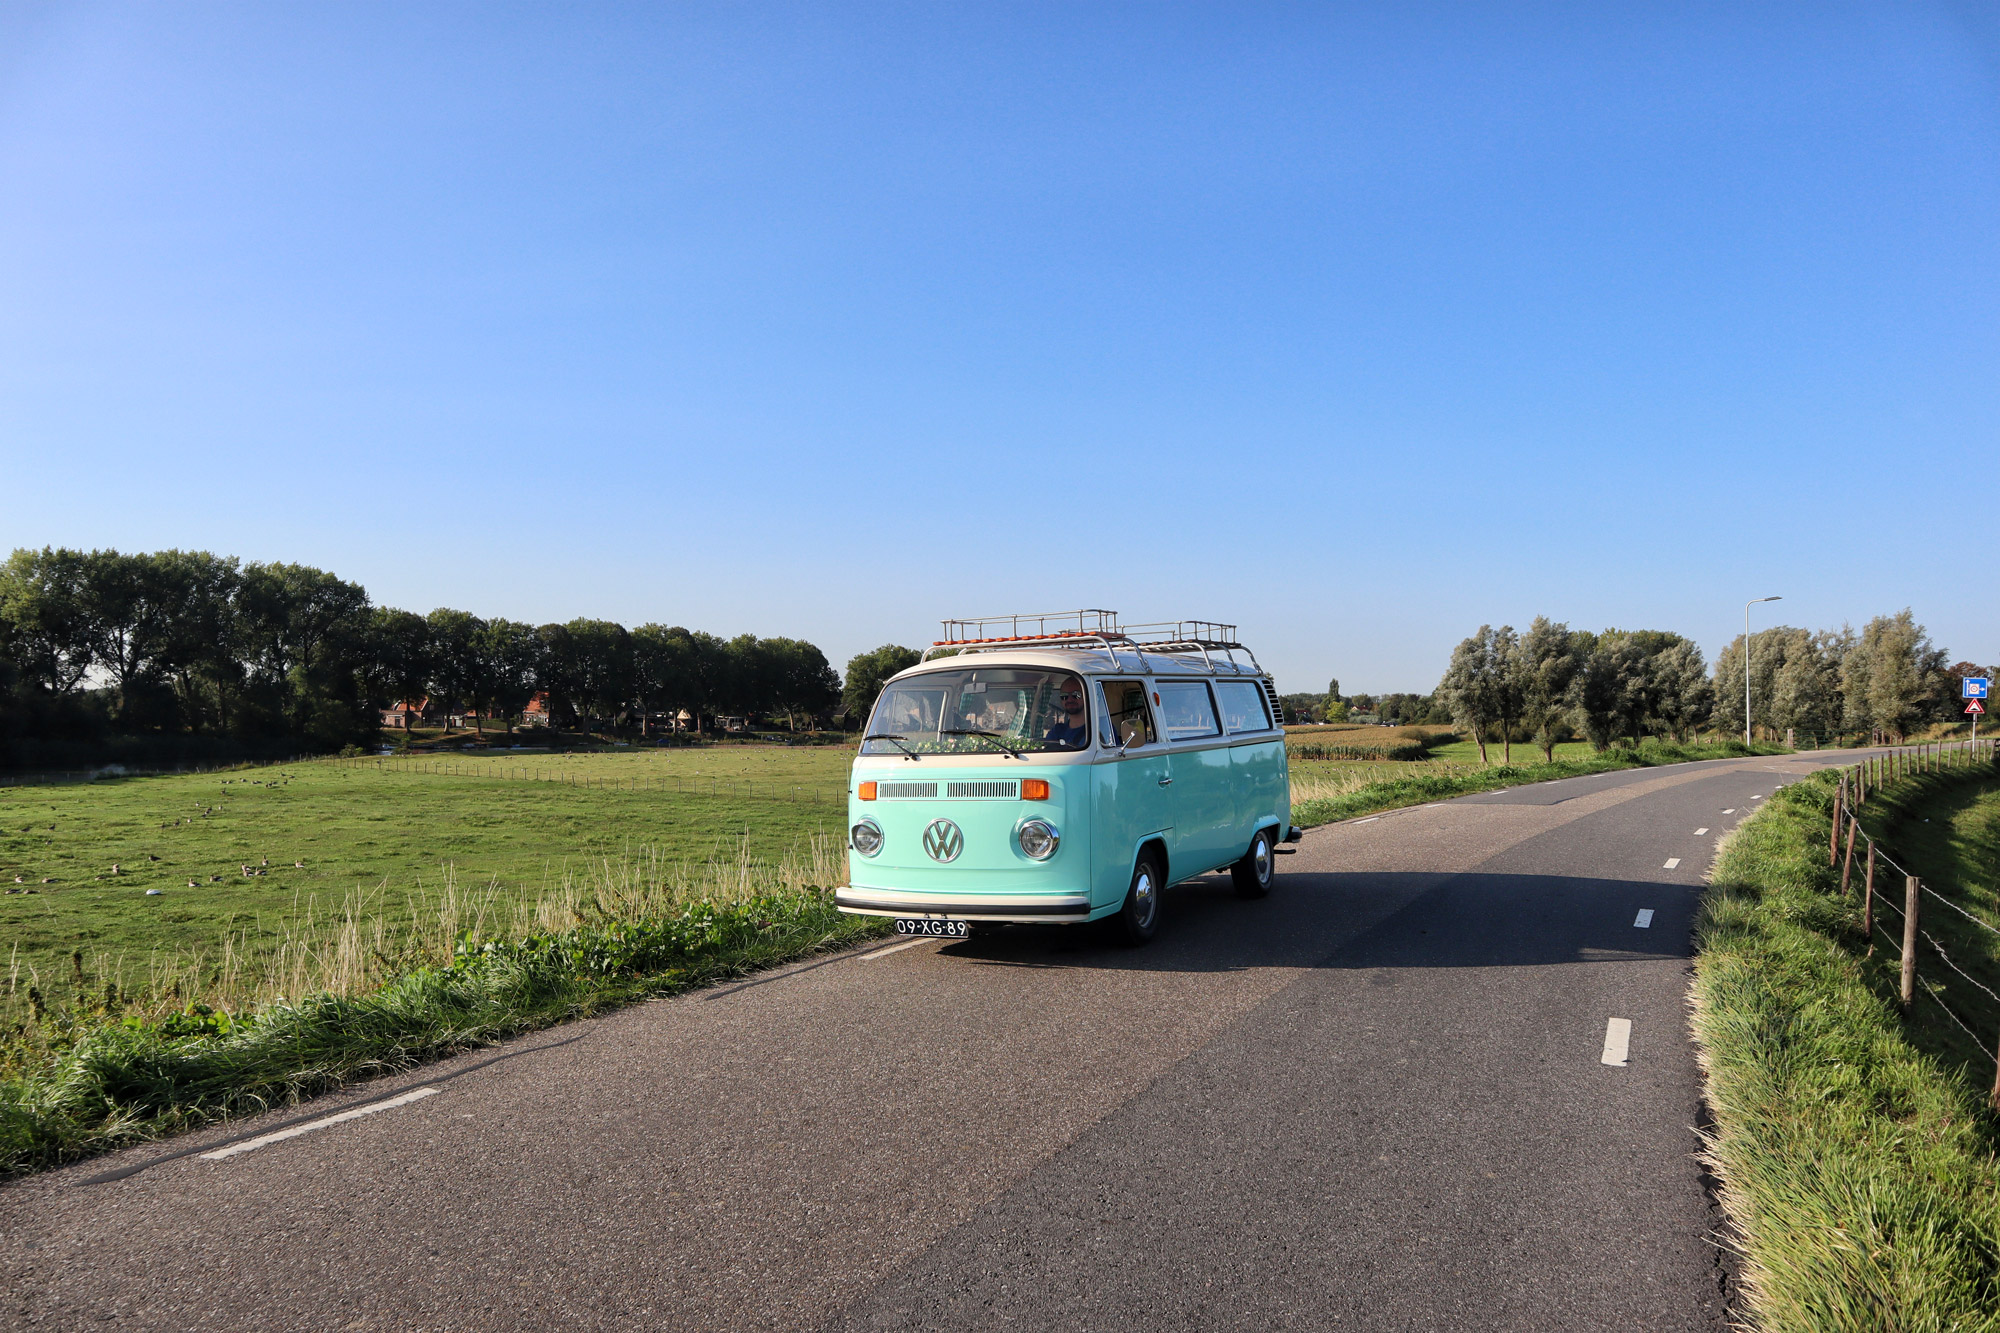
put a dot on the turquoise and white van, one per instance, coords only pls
(1065, 775)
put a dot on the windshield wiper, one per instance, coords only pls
(895, 741)
(993, 736)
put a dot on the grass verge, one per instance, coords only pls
(84, 1077)
(1858, 1170)
(1358, 793)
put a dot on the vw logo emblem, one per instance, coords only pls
(943, 840)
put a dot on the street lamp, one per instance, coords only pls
(1746, 663)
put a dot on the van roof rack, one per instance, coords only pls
(1092, 627)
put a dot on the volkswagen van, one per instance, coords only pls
(1064, 768)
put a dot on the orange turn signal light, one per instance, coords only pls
(1034, 789)
(867, 791)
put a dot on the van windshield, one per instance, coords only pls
(980, 710)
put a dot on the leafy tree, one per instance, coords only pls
(602, 663)
(802, 680)
(1508, 687)
(129, 609)
(866, 673)
(663, 673)
(1546, 671)
(304, 633)
(1805, 691)
(511, 654)
(1679, 688)
(558, 672)
(404, 665)
(458, 663)
(1893, 676)
(45, 599)
(1471, 687)
(199, 653)
(1767, 659)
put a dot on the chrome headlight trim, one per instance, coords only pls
(865, 837)
(1030, 835)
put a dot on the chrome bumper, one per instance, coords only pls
(860, 900)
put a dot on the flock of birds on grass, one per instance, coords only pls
(248, 871)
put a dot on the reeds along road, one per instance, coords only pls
(1391, 1095)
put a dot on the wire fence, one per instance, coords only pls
(1857, 783)
(742, 789)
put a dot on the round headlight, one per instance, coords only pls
(1039, 839)
(866, 837)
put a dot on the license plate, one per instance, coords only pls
(942, 930)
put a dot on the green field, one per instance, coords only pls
(511, 825)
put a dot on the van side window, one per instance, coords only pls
(1242, 706)
(1125, 718)
(1185, 711)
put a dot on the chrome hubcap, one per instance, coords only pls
(1142, 897)
(1263, 860)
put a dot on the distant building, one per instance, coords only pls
(403, 715)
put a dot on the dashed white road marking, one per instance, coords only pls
(414, 1094)
(1617, 1041)
(1698, 832)
(1730, 811)
(1645, 920)
(1757, 797)
(894, 948)
(1672, 861)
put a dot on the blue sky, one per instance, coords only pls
(1356, 326)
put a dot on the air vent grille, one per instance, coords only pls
(905, 791)
(982, 791)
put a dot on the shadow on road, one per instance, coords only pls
(1377, 920)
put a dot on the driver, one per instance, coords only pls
(1069, 727)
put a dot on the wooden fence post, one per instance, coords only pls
(1909, 941)
(1868, 900)
(1833, 834)
(1847, 865)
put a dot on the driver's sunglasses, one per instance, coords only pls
(1071, 696)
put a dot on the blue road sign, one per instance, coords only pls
(1974, 687)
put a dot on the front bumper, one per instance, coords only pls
(861, 900)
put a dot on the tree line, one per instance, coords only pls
(185, 642)
(1552, 684)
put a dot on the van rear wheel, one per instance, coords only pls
(1253, 874)
(1139, 918)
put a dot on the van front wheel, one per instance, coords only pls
(1139, 918)
(1254, 872)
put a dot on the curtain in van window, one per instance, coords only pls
(1242, 706)
(1185, 711)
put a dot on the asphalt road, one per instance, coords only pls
(1375, 1100)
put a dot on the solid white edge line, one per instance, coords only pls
(894, 948)
(1371, 819)
(1645, 921)
(1617, 1042)
(414, 1094)
(1672, 861)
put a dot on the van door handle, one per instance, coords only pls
(1166, 782)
